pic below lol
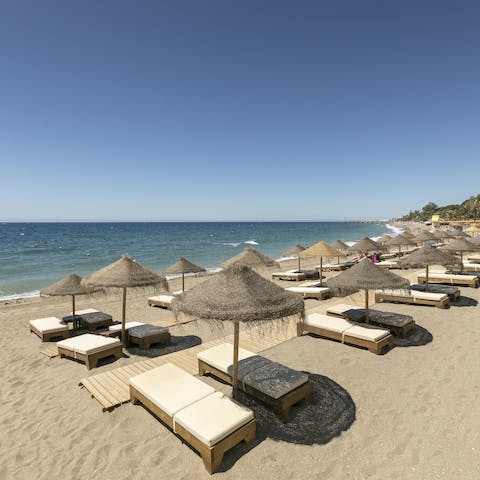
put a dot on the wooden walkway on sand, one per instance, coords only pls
(111, 389)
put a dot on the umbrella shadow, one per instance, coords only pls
(417, 337)
(465, 302)
(158, 349)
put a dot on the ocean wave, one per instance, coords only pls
(15, 296)
(251, 242)
(232, 244)
(395, 230)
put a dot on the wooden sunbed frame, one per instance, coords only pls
(158, 303)
(387, 297)
(318, 295)
(398, 331)
(47, 336)
(374, 347)
(91, 360)
(466, 282)
(211, 455)
(281, 406)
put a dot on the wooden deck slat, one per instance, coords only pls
(111, 388)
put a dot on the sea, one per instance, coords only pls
(35, 255)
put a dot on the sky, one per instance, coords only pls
(236, 110)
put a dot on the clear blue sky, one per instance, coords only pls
(237, 110)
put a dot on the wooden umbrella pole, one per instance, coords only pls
(426, 278)
(73, 311)
(366, 306)
(321, 270)
(183, 281)
(236, 334)
(461, 260)
(124, 309)
(298, 257)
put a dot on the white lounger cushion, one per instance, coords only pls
(84, 312)
(448, 276)
(436, 297)
(162, 298)
(334, 324)
(213, 418)
(49, 325)
(118, 327)
(170, 388)
(88, 343)
(221, 356)
(367, 332)
(308, 289)
(341, 308)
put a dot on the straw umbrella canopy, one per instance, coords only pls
(251, 258)
(475, 240)
(399, 241)
(423, 237)
(124, 273)
(384, 239)
(460, 233)
(473, 229)
(426, 256)
(366, 245)
(183, 266)
(365, 275)
(459, 246)
(70, 285)
(320, 249)
(340, 246)
(294, 252)
(407, 234)
(239, 295)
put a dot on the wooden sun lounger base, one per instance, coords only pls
(374, 347)
(158, 303)
(281, 406)
(145, 342)
(211, 456)
(385, 297)
(92, 359)
(47, 336)
(316, 296)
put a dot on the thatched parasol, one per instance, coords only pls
(320, 249)
(475, 228)
(407, 234)
(183, 266)
(124, 273)
(460, 233)
(424, 237)
(384, 239)
(365, 275)
(426, 256)
(399, 241)
(294, 252)
(366, 245)
(340, 246)
(240, 295)
(251, 258)
(70, 285)
(459, 246)
(475, 240)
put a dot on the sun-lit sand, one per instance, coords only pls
(409, 414)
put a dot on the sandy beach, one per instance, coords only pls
(408, 414)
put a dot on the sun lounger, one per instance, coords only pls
(162, 301)
(146, 335)
(272, 383)
(389, 256)
(471, 267)
(206, 419)
(294, 275)
(94, 320)
(413, 297)
(48, 328)
(320, 293)
(335, 267)
(397, 323)
(450, 279)
(346, 331)
(474, 258)
(390, 264)
(89, 348)
(452, 291)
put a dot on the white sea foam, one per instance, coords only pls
(232, 244)
(15, 296)
(284, 259)
(395, 230)
(251, 242)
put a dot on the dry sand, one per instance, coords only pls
(409, 414)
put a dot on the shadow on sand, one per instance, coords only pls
(416, 338)
(176, 344)
(464, 302)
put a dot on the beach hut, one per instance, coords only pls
(239, 295)
(294, 252)
(426, 256)
(320, 249)
(251, 258)
(70, 285)
(124, 273)
(365, 275)
(183, 266)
